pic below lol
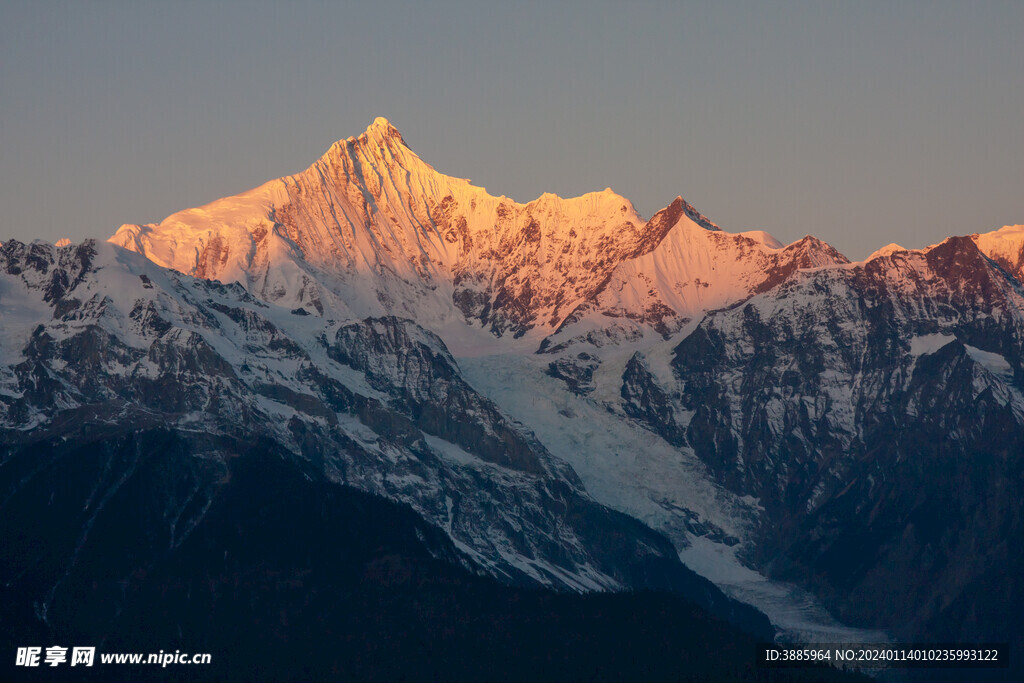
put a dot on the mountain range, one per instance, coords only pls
(557, 395)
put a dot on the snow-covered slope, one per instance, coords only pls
(692, 270)
(1006, 247)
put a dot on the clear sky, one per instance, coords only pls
(862, 123)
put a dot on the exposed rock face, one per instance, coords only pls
(877, 412)
(644, 400)
(576, 371)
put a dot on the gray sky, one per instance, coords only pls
(862, 123)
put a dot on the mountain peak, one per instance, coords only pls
(381, 130)
(380, 143)
(887, 250)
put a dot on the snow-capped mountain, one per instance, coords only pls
(614, 303)
(371, 229)
(532, 379)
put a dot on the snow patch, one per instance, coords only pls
(762, 237)
(993, 362)
(929, 343)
